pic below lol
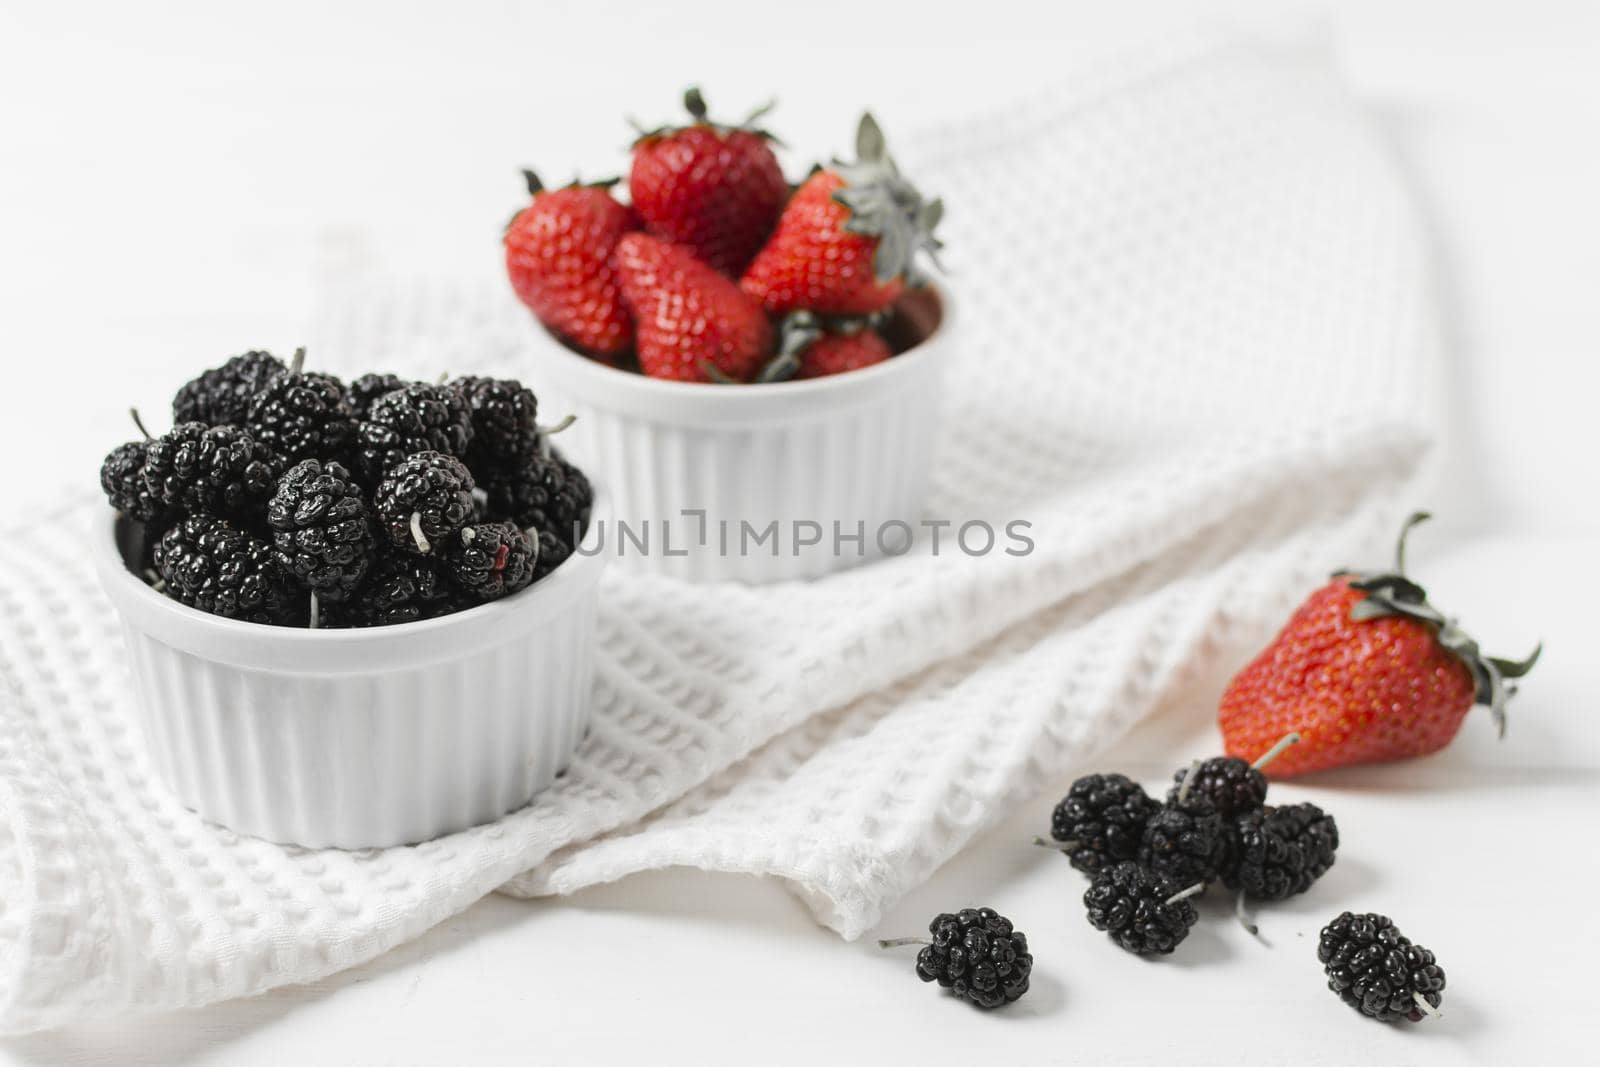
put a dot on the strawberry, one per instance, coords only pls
(845, 243)
(812, 348)
(694, 324)
(835, 353)
(1366, 671)
(559, 253)
(716, 190)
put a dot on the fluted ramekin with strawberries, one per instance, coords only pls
(756, 368)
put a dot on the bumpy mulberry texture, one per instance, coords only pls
(304, 416)
(490, 560)
(366, 389)
(210, 565)
(321, 529)
(1130, 903)
(1187, 843)
(122, 478)
(416, 418)
(543, 492)
(1278, 852)
(1376, 969)
(1106, 815)
(399, 588)
(1228, 782)
(222, 396)
(504, 417)
(435, 488)
(195, 469)
(977, 954)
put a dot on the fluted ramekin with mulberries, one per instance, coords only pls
(359, 522)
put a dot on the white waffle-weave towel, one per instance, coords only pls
(1196, 342)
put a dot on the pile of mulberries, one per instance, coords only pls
(1147, 859)
(284, 496)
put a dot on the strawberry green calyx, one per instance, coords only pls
(883, 204)
(1394, 594)
(799, 329)
(694, 102)
(536, 186)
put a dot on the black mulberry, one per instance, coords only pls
(208, 564)
(975, 953)
(543, 492)
(122, 478)
(423, 501)
(1377, 970)
(195, 469)
(399, 588)
(1234, 786)
(504, 416)
(412, 419)
(321, 528)
(1186, 841)
(222, 396)
(1102, 818)
(1231, 785)
(490, 560)
(304, 415)
(365, 390)
(1278, 852)
(1143, 912)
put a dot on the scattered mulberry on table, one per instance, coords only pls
(1136, 907)
(1106, 815)
(1228, 782)
(978, 954)
(1278, 852)
(1377, 970)
(1186, 842)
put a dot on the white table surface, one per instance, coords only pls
(172, 178)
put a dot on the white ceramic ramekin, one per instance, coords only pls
(845, 453)
(362, 738)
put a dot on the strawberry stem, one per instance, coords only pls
(1275, 751)
(1416, 518)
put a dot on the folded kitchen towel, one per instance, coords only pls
(1194, 354)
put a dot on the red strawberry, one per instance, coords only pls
(810, 348)
(835, 353)
(845, 243)
(716, 190)
(694, 324)
(1366, 671)
(559, 256)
